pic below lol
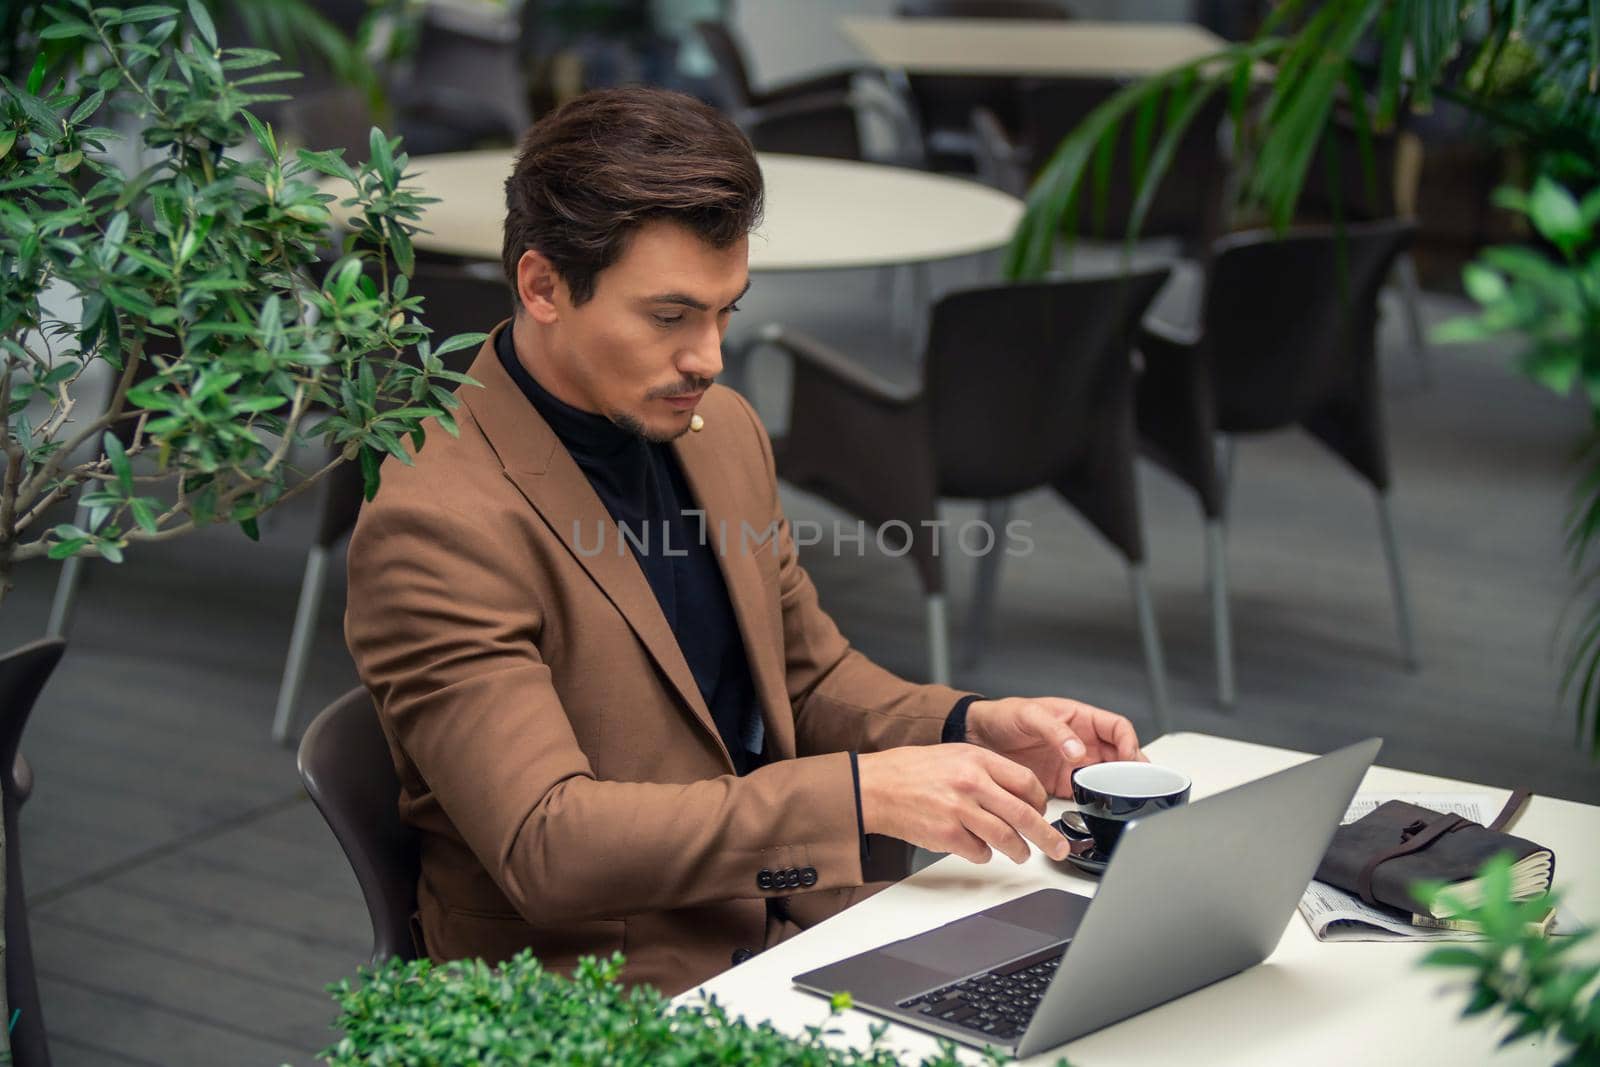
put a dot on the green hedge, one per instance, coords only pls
(421, 1014)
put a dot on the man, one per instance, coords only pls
(620, 718)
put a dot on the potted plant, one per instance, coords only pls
(207, 286)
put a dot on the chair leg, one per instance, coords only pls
(1405, 270)
(938, 640)
(1154, 662)
(305, 626)
(1221, 620)
(996, 513)
(1224, 453)
(1397, 584)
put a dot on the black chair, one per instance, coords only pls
(1000, 161)
(23, 674)
(1339, 188)
(732, 75)
(456, 299)
(1024, 386)
(1288, 338)
(944, 103)
(345, 764)
(817, 116)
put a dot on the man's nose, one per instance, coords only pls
(702, 359)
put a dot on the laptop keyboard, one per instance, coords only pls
(997, 1003)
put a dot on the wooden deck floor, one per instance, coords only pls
(189, 905)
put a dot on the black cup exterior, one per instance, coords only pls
(1105, 815)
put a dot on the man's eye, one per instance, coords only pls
(730, 309)
(667, 320)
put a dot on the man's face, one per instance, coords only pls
(645, 347)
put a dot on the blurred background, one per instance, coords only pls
(1328, 531)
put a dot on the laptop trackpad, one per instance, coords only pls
(969, 944)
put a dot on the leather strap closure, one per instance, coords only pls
(1513, 809)
(1416, 837)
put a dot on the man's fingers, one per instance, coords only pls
(968, 846)
(1119, 731)
(996, 833)
(1030, 824)
(1015, 779)
(1051, 725)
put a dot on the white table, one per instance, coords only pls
(1310, 1003)
(822, 214)
(1068, 48)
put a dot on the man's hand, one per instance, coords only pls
(1050, 736)
(956, 798)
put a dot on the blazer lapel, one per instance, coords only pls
(714, 480)
(545, 473)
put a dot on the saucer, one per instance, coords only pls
(1091, 862)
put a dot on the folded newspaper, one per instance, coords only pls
(1335, 915)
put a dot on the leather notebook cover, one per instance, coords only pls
(1432, 847)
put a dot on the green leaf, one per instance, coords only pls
(1554, 367)
(250, 528)
(255, 404)
(400, 245)
(1556, 215)
(1590, 208)
(68, 28)
(144, 514)
(109, 550)
(41, 64)
(370, 460)
(1482, 1000)
(460, 341)
(119, 462)
(263, 134)
(329, 162)
(148, 13)
(382, 158)
(68, 162)
(63, 549)
(1482, 284)
(88, 106)
(202, 23)
(7, 139)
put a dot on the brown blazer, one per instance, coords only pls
(570, 787)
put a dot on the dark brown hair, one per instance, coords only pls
(594, 170)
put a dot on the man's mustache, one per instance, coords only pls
(687, 387)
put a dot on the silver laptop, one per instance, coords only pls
(1192, 896)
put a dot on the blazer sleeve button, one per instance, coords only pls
(792, 879)
(764, 879)
(740, 955)
(808, 877)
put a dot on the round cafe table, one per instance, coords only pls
(821, 214)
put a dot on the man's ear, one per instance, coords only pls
(539, 288)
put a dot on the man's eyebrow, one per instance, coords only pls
(685, 300)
